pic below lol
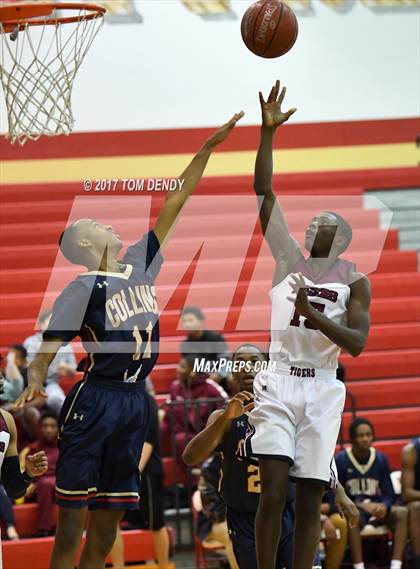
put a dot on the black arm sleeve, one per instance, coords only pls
(15, 483)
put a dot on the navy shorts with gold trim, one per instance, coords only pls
(102, 429)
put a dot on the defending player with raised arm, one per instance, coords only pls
(225, 433)
(113, 308)
(320, 304)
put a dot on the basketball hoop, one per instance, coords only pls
(40, 57)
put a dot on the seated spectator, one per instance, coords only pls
(364, 472)
(151, 514)
(202, 344)
(64, 363)
(336, 541)
(7, 515)
(211, 521)
(15, 373)
(180, 418)
(410, 480)
(44, 486)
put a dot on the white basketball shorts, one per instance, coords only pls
(297, 419)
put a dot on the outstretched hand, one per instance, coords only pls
(272, 115)
(301, 301)
(224, 131)
(241, 403)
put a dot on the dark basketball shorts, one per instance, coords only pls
(151, 514)
(241, 531)
(102, 430)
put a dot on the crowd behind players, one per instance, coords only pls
(363, 470)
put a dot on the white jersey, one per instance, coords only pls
(4, 443)
(4, 438)
(294, 340)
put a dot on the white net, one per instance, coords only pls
(37, 70)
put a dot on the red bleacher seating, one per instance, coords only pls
(384, 379)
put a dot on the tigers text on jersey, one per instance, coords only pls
(294, 340)
(115, 314)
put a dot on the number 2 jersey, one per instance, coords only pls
(294, 340)
(240, 485)
(114, 314)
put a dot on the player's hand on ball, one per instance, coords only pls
(36, 464)
(272, 115)
(224, 131)
(301, 301)
(239, 404)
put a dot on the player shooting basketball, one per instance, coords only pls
(105, 417)
(298, 407)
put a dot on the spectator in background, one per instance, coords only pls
(64, 363)
(15, 373)
(203, 344)
(410, 481)
(6, 514)
(331, 521)
(211, 520)
(44, 486)
(364, 472)
(183, 420)
(151, 514)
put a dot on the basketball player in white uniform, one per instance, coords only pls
(15, 482)
(319, 305)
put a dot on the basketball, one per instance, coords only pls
(269, 28)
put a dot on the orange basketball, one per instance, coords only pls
(269, 28)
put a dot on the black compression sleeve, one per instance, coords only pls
(15, 483)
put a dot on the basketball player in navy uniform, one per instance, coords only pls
(410, 481)
(240, 481)
(366, 476)
(14, 481)
(103, 422)
(298, 407)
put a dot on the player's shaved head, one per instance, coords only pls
(68, 243)
(251, 349)
(85, 242)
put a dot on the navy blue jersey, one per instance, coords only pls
(114, 314)
(368, 481)
(240, 485)
(416, 443)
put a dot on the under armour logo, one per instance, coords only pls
(264, 388)
(240, 424)
(102, 284)
(76, 416)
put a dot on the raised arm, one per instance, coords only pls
(191, 176)
(203, 444)
(37, 371)
(409, 458)
(272, 218)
